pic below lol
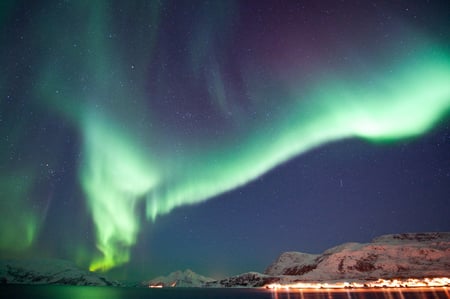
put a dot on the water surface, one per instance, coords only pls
(83, 292)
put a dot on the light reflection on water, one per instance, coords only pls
(396, 293)
(74, 292)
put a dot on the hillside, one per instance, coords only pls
(48, 271)
(398, 255)
(183, 279)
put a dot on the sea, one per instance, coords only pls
(83, 292)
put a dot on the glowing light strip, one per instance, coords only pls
(380, 283)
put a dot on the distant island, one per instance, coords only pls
(410, 259)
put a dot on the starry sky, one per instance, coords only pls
(143, 137)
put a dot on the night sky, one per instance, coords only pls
(143, 137)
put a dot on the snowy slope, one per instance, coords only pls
(399, 255)
(293, 263)
(414, 255)
(185, 278)
(48, 271)
(245, 280)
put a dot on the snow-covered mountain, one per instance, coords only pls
(48, 271)
(397, 255)
(412, 255)
(182, 279)
(245, 280)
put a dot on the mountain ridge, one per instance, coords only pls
(186, 278)
(409, 255)
(49, 271)
(395, 255)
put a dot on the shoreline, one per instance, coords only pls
(410, 283)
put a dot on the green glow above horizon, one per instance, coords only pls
(117, 174)
(19, 223)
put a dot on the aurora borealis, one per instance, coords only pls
(122, 120)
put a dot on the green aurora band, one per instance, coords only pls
(116, 175)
